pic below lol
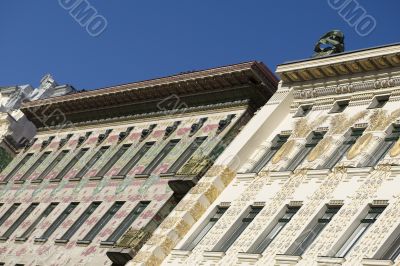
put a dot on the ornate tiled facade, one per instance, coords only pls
(315, 176)
(109, 167)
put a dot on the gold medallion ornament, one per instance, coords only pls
(320, 149)
(395, 151)
(283, 151)
(359, 146)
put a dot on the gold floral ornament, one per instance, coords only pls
(379, 120)
(340, 122)
(359, 146)
(283, 151)
(395, 151)
(320, 149)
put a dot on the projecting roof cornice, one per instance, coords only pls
(251, 80)
(361, 61)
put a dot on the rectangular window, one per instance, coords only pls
(127, 222)
(213, 220)
(92, 162)
(9, 212)
(60, 219)
(135, 159)
(35, 165)
(32, 227)
(164, 152)
(251, 214)
(384, 147)
(19, 221)
(365, 223)
(187, 154)
(282, 222)
(71, 163)
(52, 165)
(302, 154)
(78, 223)
(113, 159)
(394, 250)
(276, 145)
(341, 151)
(102, 222)
(308, 237)
(18, 166)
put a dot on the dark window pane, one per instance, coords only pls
(18, 166)
(35, 165)
(9, 212)
(135, 159)
(44, 214)
(127, 222)
(113, 160)
(52, 165)
(164, 152)
(60, 219)
(71, 164)
(186, 154)
(19, 221)
(384, 148)
(91, 162)
(72, 230)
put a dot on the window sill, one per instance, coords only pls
(83, 242)
(94, 178)
(61, 241)
(246, 175)
(167, 174)
(21, 239)
(213, 255)
(375, 262)
(40, 240)
(75, 179)
(107, 243)
(3, 182)
(248, 257)
(180, 253)
(330, 261)
(19, 181)
(287, 259)
(36, 181)
(118, 177)
(55, 180)
(141, 175)
(3, 239)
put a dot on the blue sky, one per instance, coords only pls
(148, 39)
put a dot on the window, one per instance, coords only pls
(52, 165)
(276, 145)
(282, 222)
(127, 222)
(213, 220)
(71, 163)
(379, 101)
(113, 160)
(9, 212)
(231, 238)
(135, 159)
(298, 159)
(44, 214)
(365, 223)
(164, 152)
(339, 106)
(19, 165)
(308, 237)
(35, 165)
(303, 110)
(393, 251)
(60, 219)
(186, 154)
(19, 221)
(384, 147)
(341, 151)
(91, 162)
(72, 230)
(102, 222)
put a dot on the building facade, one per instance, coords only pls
(108, 166)
(317, 179)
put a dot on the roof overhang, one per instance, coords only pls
(251, 80)
(355, 62)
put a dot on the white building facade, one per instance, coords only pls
(314, 177)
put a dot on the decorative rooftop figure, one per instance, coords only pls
(332, 42)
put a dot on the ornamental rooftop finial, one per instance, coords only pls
(333, 43)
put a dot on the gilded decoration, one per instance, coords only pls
(395, 151)
(380, 119)
(340, 122)
(359, 146)
(283, 151)
(301, 128)
(320, 149)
